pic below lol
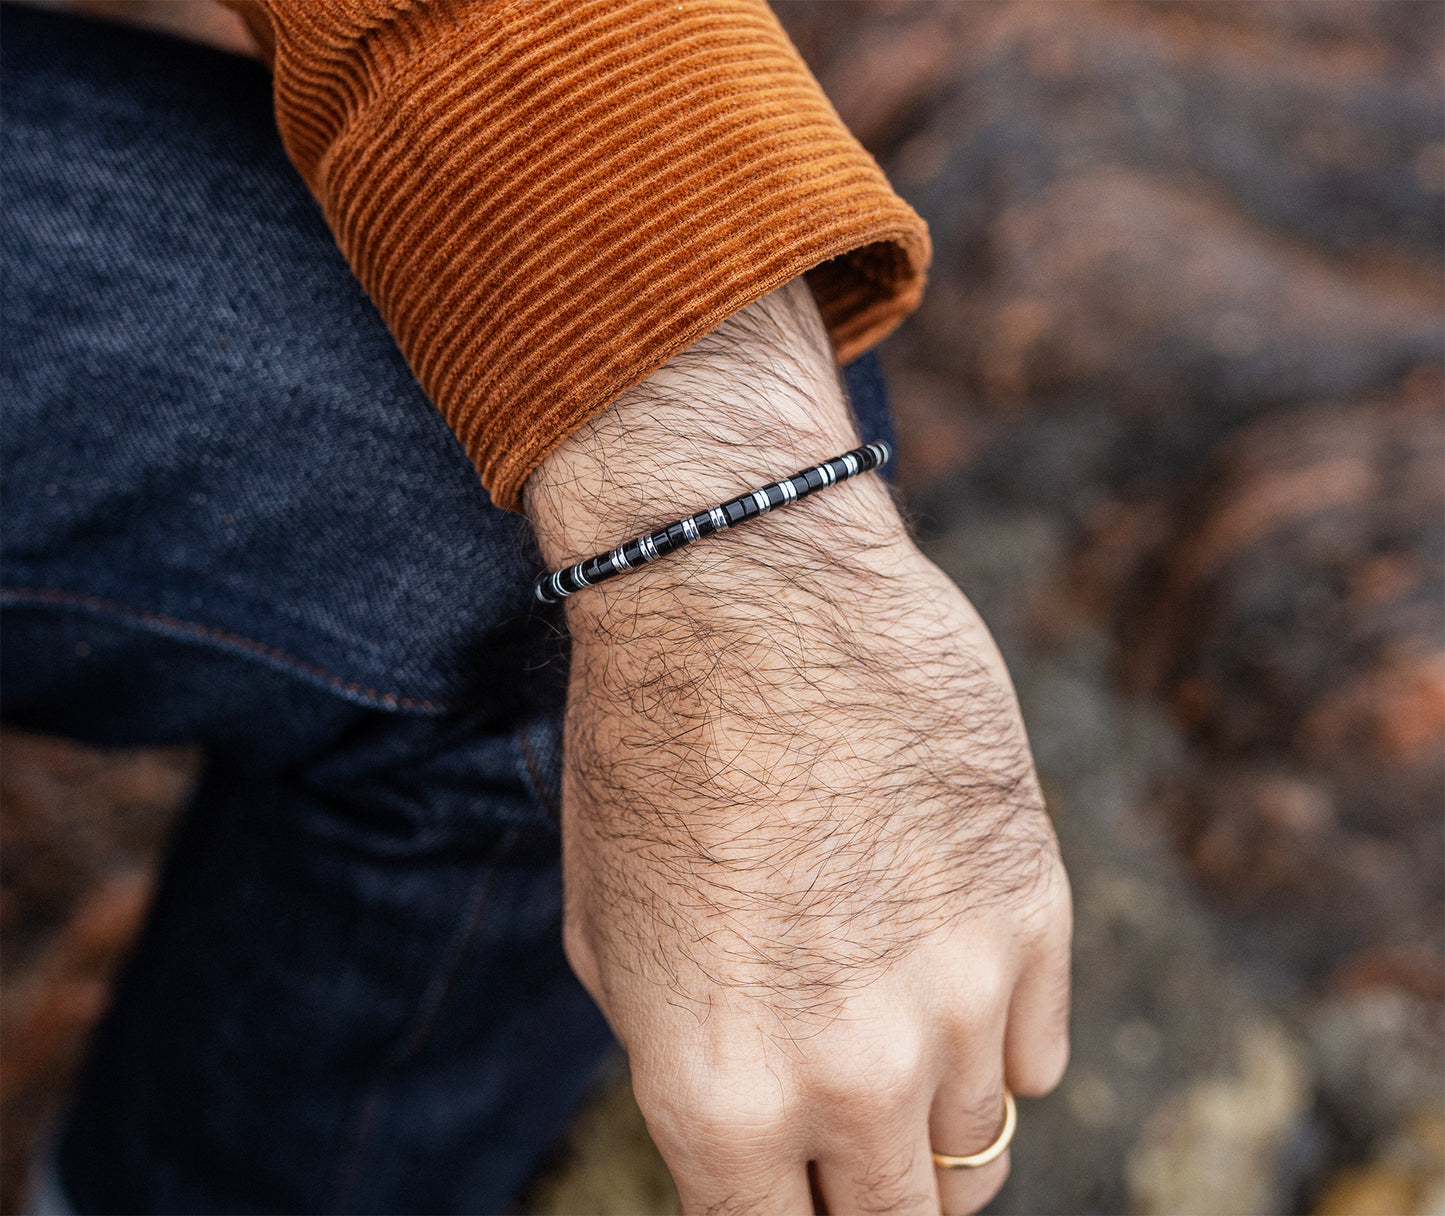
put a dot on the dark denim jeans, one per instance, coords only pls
(231, 516)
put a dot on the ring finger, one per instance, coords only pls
(969, 1116)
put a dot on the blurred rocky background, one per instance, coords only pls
(1172, 415)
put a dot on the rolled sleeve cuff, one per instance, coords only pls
(549, 200)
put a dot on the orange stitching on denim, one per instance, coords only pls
(46, 595)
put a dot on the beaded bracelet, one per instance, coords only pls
(556, 586)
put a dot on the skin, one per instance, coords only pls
(809, 876)
(202, 21)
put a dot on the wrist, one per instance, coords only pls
(757, 400)
(676, 535)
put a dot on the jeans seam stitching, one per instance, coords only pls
(49, 595)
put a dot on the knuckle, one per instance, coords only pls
(670, 1117)
(731, 1123)
(989, 985)
(872, 1079)
(885, 1090)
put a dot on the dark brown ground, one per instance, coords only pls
(1172, 416)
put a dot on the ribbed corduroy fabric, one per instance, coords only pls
(548, 199)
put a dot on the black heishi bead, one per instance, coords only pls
(674, 536)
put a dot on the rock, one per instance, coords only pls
(1380, 1057)
(1378, 1191)
(1218, 1145)
(82, 830)
(1323, 128)
(1295, 624)
(1406, 1177)
(1314, 537)
(1412, 968)
(49, 1008)
(71, 815)
(1128, 286)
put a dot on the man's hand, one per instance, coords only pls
(809, 875)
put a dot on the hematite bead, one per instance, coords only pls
(556, 586)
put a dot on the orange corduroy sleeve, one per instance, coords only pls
(548, 199)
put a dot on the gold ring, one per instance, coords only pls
(994, 1150)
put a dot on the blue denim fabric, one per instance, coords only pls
(230, 516)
